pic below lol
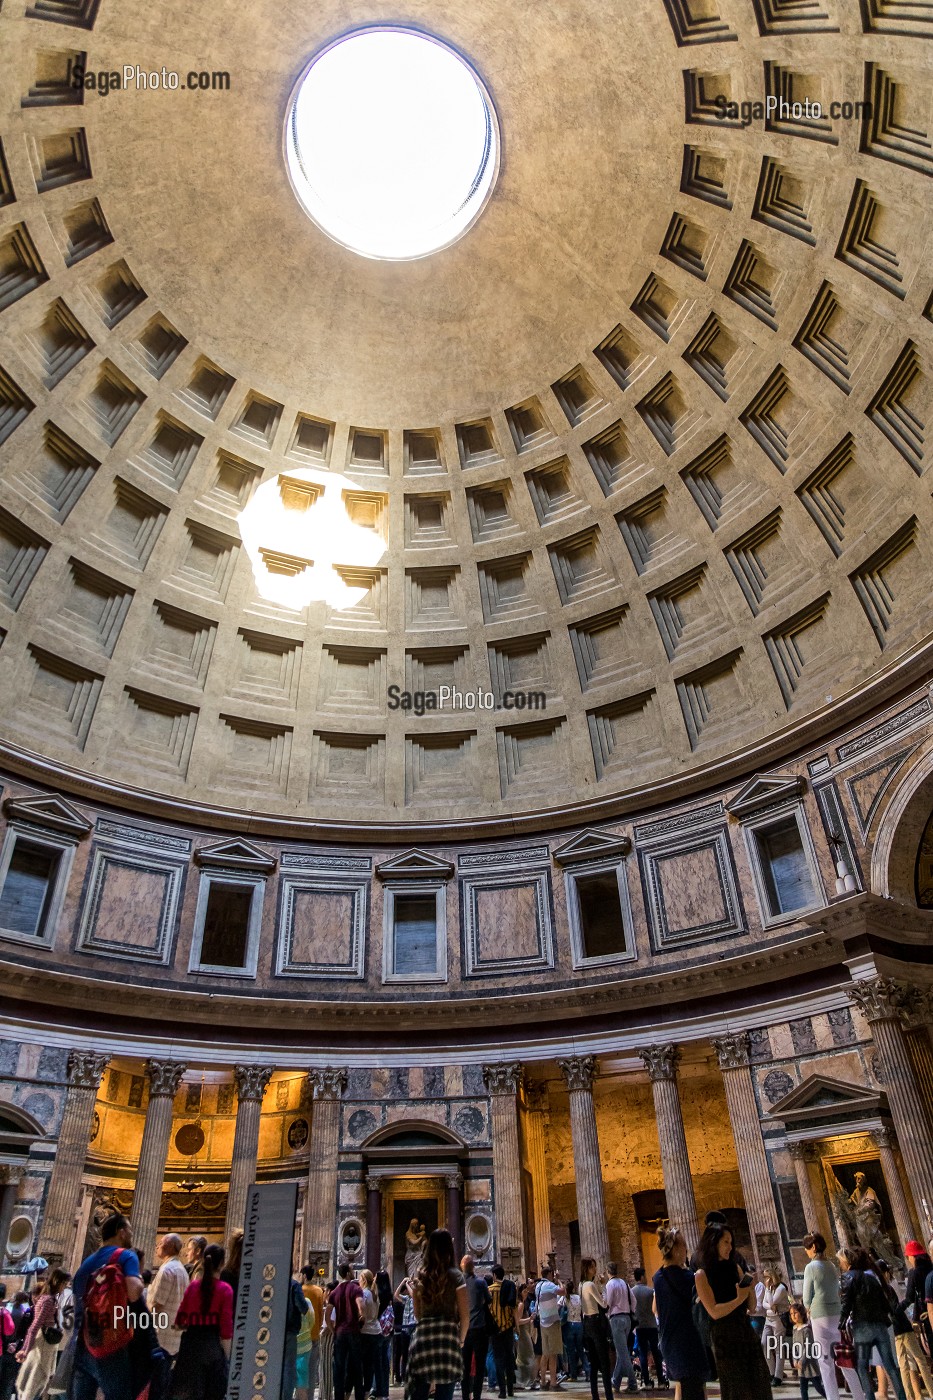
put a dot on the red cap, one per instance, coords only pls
(913, 1250)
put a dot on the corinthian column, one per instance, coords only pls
(884, 1002)
(164, 1078)
(327, 1085)
(535, 1124)
(503, 1082)
(801, 1155)
(732, 1052)
(579, 1073)
(661, 1064)
(251, 1084)
(904, 1220)
(85, 1068)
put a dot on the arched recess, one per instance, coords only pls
(412, 1132)
(900, 826)
(18, 1132)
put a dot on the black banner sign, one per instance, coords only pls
(262, 1299)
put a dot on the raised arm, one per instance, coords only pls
(718, 1310)
(463, 1307)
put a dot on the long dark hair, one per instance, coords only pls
(434, 1276)
(57, 1280)
(708, 1252)
(211, 1262)
(383, 1290)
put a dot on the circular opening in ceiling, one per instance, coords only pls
(391, 143)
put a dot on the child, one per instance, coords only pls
(802, 1351)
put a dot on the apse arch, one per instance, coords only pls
(413, 1133)
(901, 825)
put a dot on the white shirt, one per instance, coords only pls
(164, 1297)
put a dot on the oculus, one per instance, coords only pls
(391, 143)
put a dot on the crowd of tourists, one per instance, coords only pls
(706, 1318)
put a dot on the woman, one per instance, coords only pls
(912, 1360)
(230, 1273)
(920, 1265)
(821, 1300)
(776, 1302)
(206, 1320)
(442, 1315)
(681, 1346)
(194, 1253)
(595, 1329)
(326, 1371)
(572, 1328)
(524, 1325)
(724, 1293)
(39, 1352)
(386, 1317)
(865, 1306)
(370, 1332)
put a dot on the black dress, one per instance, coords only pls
(681, 1346)
(743, 1372)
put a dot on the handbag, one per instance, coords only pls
(843, 1351)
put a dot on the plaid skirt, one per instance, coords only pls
(435, 1354)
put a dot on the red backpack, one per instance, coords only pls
(104, 1332)
(7, 1332)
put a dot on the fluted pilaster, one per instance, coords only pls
(885, 1003)
(251, 1084)
(661, 1064)
(164, 1078)
(327, 1086)
(85, 1068)
(802, 1154)
(905, 1222)
(579, 1073)
(503, 1081)
(732, 1053)
(534, 1123)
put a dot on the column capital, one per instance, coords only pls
(327, 1083)
(251, 1082)
(732, 1051)
(804, 1151)
(579, 1071)
(504, 1077)
(11, 1174)
(86, 1069)
(453, 1181)
(164, 1077)
(881, 998)
(660, 1060)
(373, 1183)
(884, 1137)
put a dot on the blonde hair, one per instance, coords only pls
(668, 1240)
(366, 1278)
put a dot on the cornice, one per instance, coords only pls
(895, 680)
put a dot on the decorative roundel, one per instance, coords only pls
(391, 143)
(189, 1139)
(351, 1237)
(298, 1134)
(469, 1122)
(478, 1234)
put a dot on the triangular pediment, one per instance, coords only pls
(761, 791)
(52, 812)
(414, 863)
(822, 1097)
(236, 855)
(590, 845)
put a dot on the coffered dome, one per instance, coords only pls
(648, 443)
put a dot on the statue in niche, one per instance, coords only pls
(869, 1220)
(415, 1239)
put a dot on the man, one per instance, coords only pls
(111, 1374)
(476, 1342)
(620, 1306)
(548, 1295)
(346, 1313)
(166, 1292)
(646, 1327)
(309, 1338)
(298, 1310)
(502, 1312)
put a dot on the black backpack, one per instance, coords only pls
(295, 1311)
(508, 1293)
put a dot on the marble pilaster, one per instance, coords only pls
(85, 1068)
(503, 1080)
(327, 1086)
(733, 1054)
